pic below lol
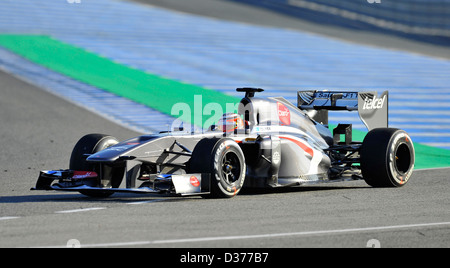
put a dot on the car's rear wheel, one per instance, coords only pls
(224, 160)
(91, 144)
(387, 157)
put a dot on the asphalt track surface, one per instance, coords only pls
(38, 132)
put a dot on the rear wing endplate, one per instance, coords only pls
(372, 109)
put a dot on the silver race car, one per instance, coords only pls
(269, 142)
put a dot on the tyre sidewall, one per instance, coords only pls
(89, 144)
(397, 177)
(378, 157)
(219, 184)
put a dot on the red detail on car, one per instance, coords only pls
(84, 174)
(284, 114)
(133, 143)
(305, 148)
(194, 181)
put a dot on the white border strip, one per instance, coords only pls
(262, 236)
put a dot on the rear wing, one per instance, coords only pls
(372, 109)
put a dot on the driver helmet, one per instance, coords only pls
(230, 122)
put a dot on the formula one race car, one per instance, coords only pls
(268, 143)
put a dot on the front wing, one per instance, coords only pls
(70, 180)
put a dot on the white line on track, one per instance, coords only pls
(243, 237)
(79, 210)
(146, 202)
(8, 218)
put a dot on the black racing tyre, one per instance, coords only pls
(224, 160)
(90, 144)
(387, 157)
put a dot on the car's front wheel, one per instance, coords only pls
(91, 144)
(224, 160)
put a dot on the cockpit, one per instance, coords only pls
(229, 122)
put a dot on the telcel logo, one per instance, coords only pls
(375, 103)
